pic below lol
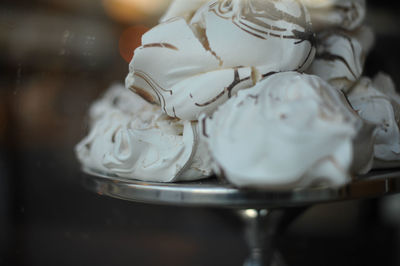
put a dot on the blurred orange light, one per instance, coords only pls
(131, 39)
(134, 10)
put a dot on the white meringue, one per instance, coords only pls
(289, 131)
(346, 14)
(131, 138)
(268, 35)
(339, 60)
(377, 102)
(191, 69)
(182, 8)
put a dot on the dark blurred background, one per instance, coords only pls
(56, 57)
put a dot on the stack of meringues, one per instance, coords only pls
(263, 93)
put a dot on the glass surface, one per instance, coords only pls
(56, 58)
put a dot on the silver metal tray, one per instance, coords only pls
(211, 193)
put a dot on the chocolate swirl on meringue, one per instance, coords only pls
(339, 60)
(187, 68)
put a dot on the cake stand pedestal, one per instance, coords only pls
(266, 214)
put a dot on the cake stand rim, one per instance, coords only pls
(211, 193)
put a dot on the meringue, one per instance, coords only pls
(182, 8)
(268, 35)
(289, 131)
(345, 14)
(217, 87)
(377, 102)
(133, 139)
(188, 69)
(340, 59)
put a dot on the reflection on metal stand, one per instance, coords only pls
(262, 230)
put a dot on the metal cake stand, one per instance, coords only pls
(266, 214)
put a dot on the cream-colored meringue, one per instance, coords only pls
(339, 60)
(267, 35)
(174, 70)
(346, 14)
(192, 68)
(133, 139)
(182, 8)
(289, 131)
(377, 102)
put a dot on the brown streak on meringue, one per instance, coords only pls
(161, 45)
(268, 74)
(332, 57)
(271, 13)
(204, 125)
(201, 35)
(173, 110)
(249, 32)
(142, 93)
(236, 81)
(149, 80)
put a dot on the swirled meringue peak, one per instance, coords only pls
(345, 14)
(191, 68)
(268, 35)
(377, 102)
(339, 60)
(289, 131)
(133, 139)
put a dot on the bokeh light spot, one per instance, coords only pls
(128, 11)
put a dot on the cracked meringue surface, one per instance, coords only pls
(192, 67)
(345, 14)
(133, 139)
(289, 131)
(377, 102)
